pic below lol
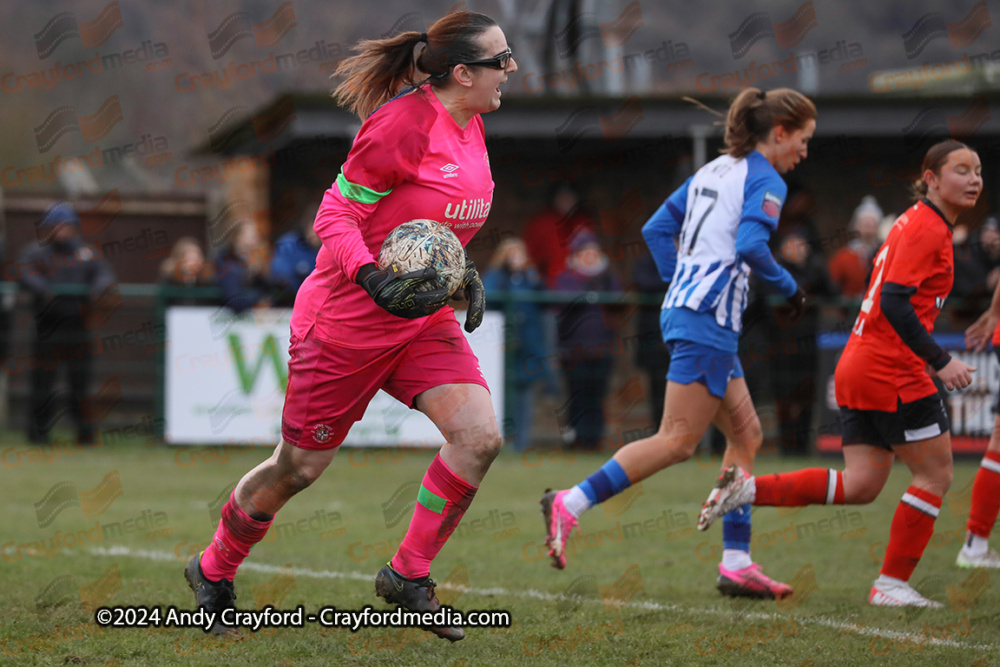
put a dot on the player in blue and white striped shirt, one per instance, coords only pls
(709, 284)
(706, 238)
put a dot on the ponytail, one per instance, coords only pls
(383, 67)
(754, 113)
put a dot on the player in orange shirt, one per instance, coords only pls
(976, 551)
(889, 405)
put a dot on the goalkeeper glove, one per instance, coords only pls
(797, 303)
(474, 290)
(396, 292)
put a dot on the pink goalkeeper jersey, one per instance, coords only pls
(410, 161)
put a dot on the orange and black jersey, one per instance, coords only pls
(890, 345)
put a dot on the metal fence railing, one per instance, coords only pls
(132, 311)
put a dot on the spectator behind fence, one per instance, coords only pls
(585, 340)
(7, 300)
(651, 353)
(295, 256)
(966, 271)
(6, 312)
(798, 215)
(796, 365)
(62, 337)
(757, 345)
(850, 266)
(977, 262)
(186, 267)
(242, 270)
(547, 235)
(510, 270)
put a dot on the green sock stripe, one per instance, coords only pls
(358, 193)
(431, 500)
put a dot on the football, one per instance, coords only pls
(417, 244)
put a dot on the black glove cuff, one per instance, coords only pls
(365, 271)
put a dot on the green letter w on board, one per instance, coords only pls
(268, 352)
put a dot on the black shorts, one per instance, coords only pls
(922, 419)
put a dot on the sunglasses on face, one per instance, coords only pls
(501, 61)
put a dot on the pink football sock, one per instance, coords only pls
(236, 533)
(441, 502)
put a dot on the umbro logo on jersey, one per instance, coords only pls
(450, 170)
(939, 302)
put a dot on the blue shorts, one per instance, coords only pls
(694, 362)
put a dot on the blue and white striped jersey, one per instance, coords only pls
(703, 217)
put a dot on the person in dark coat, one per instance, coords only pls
(6, 310)
(797, 363)
(585, 339)
(60, 259)
(295, 257)
(977, 262)
(242, 270)
(512, 271)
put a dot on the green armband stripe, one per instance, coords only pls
(358, 193)
(430, 500)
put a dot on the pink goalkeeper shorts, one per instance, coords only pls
(330, 385)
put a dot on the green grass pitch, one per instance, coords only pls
(639, 588)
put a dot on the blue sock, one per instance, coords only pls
(736, 529)
(609, 481)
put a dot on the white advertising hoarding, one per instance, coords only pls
(226, 377)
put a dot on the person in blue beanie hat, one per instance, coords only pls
(58, 260)
(295, 257)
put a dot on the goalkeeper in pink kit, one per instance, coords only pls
(356, 328)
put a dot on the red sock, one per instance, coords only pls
(236, 533)
(812, 486)
(985, 496)
(441, 503)
(912, 527)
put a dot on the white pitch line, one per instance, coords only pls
(645, 605)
